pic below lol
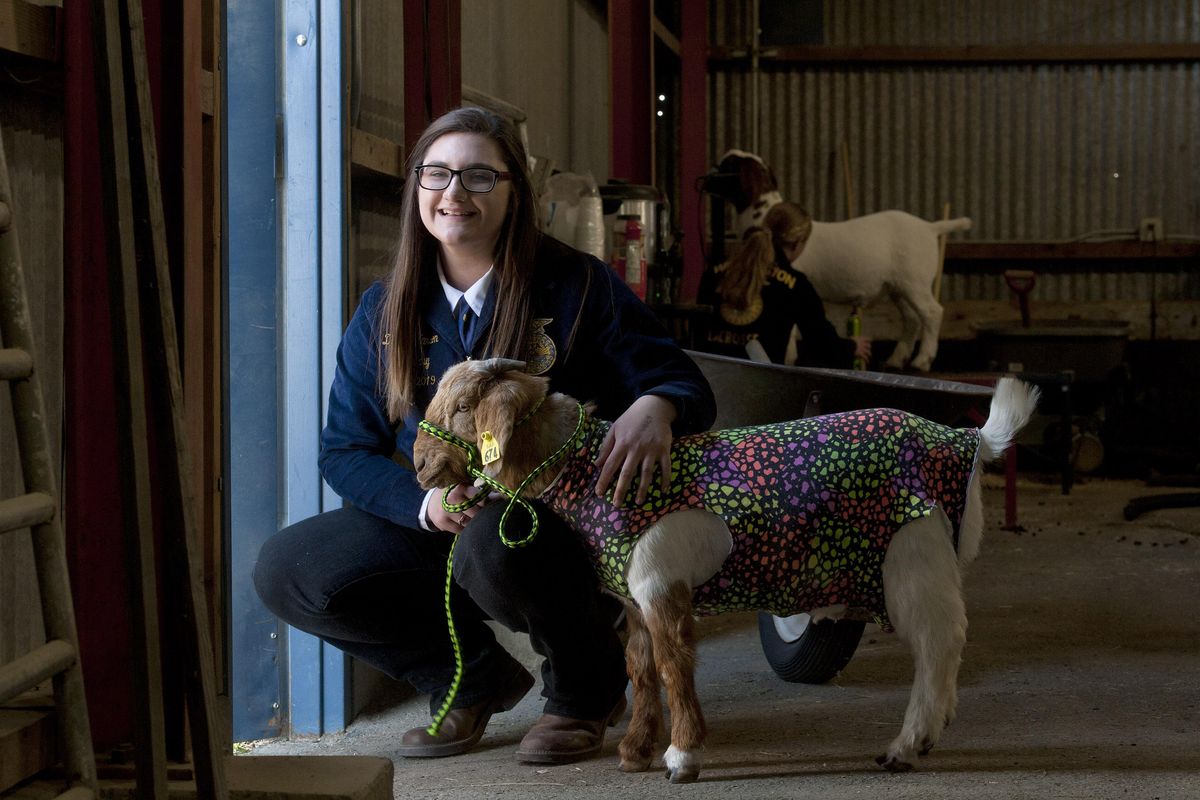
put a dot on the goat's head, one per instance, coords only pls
(474, 398)
(741, 178)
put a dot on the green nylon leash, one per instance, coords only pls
(514, 499)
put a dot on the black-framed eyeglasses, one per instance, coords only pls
(479, 180)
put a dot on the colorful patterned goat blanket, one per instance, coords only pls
(811, 504)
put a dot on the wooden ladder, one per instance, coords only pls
(58, 658)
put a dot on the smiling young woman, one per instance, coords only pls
(465, 221)
(474, 277)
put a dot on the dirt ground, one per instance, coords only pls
(1081, 679)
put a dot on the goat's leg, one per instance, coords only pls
(669, 620)
(930, 312)
(637, 746)
(924, 601)
(908, 333)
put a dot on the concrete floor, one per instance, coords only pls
(1081, 679)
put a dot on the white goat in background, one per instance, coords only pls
(683, 559)
(889, 254)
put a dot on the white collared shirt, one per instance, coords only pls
(476, 294)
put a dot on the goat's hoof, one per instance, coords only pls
(681, 775)
(635, 765)
(893, 764)
(926, 746)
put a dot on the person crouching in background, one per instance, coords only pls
(758, 297)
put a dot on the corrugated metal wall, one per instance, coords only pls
(550, 59)
(982, 22)
(1030, 152)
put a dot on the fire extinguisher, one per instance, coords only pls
(635, 255)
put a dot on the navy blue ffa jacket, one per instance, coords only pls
(620, 352)
(787, 299)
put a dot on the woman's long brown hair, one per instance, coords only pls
(746, 273)
(413, 274)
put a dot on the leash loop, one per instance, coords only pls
(514, 499)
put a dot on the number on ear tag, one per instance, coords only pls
(489, 448)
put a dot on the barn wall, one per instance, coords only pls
(550, 59)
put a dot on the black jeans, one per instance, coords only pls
(376, 590)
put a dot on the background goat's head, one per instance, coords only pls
(473, 397)
(741, 178)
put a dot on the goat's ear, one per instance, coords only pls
(498, 410)
(494, 422)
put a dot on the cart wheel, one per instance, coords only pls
(803, 651)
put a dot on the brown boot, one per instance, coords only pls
(563, 740)
(463, 727)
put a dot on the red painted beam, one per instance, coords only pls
(445, 56)
(93, 513)
(631, 103)
(693, 157)
(432, 63)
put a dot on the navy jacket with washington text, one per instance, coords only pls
(619, 353)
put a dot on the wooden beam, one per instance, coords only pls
(207, 82)
(1071, 250)
(189, 624)
(631, 105)
(376, 154)
(1163, 320)
(693, 156)
(145, 660)
(29, 30)
(824, 55)
(432, 63)
(665, 36)
(201, 275)
(26, 743)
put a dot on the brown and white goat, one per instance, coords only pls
(678, 555)
(890, 254)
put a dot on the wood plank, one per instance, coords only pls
(1175, 319)
(212, 389)
(821, 55)
(664, 35)
(26, 743)
(145, 657)
(29, 30)
(1126, 250)
(181, 536)
(376, 154)
(207, 83)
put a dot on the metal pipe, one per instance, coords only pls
(754, 73)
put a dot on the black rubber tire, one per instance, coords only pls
(821, 652)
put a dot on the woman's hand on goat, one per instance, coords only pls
(452, 521)
(862, 348)
(637, 442)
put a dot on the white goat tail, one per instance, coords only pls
(943, 226)
(1013, 403)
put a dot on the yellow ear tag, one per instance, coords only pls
(489, 448)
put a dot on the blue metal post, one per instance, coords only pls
(284, 196)
(251, 404)
(312, 270)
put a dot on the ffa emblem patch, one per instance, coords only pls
(540, 351)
